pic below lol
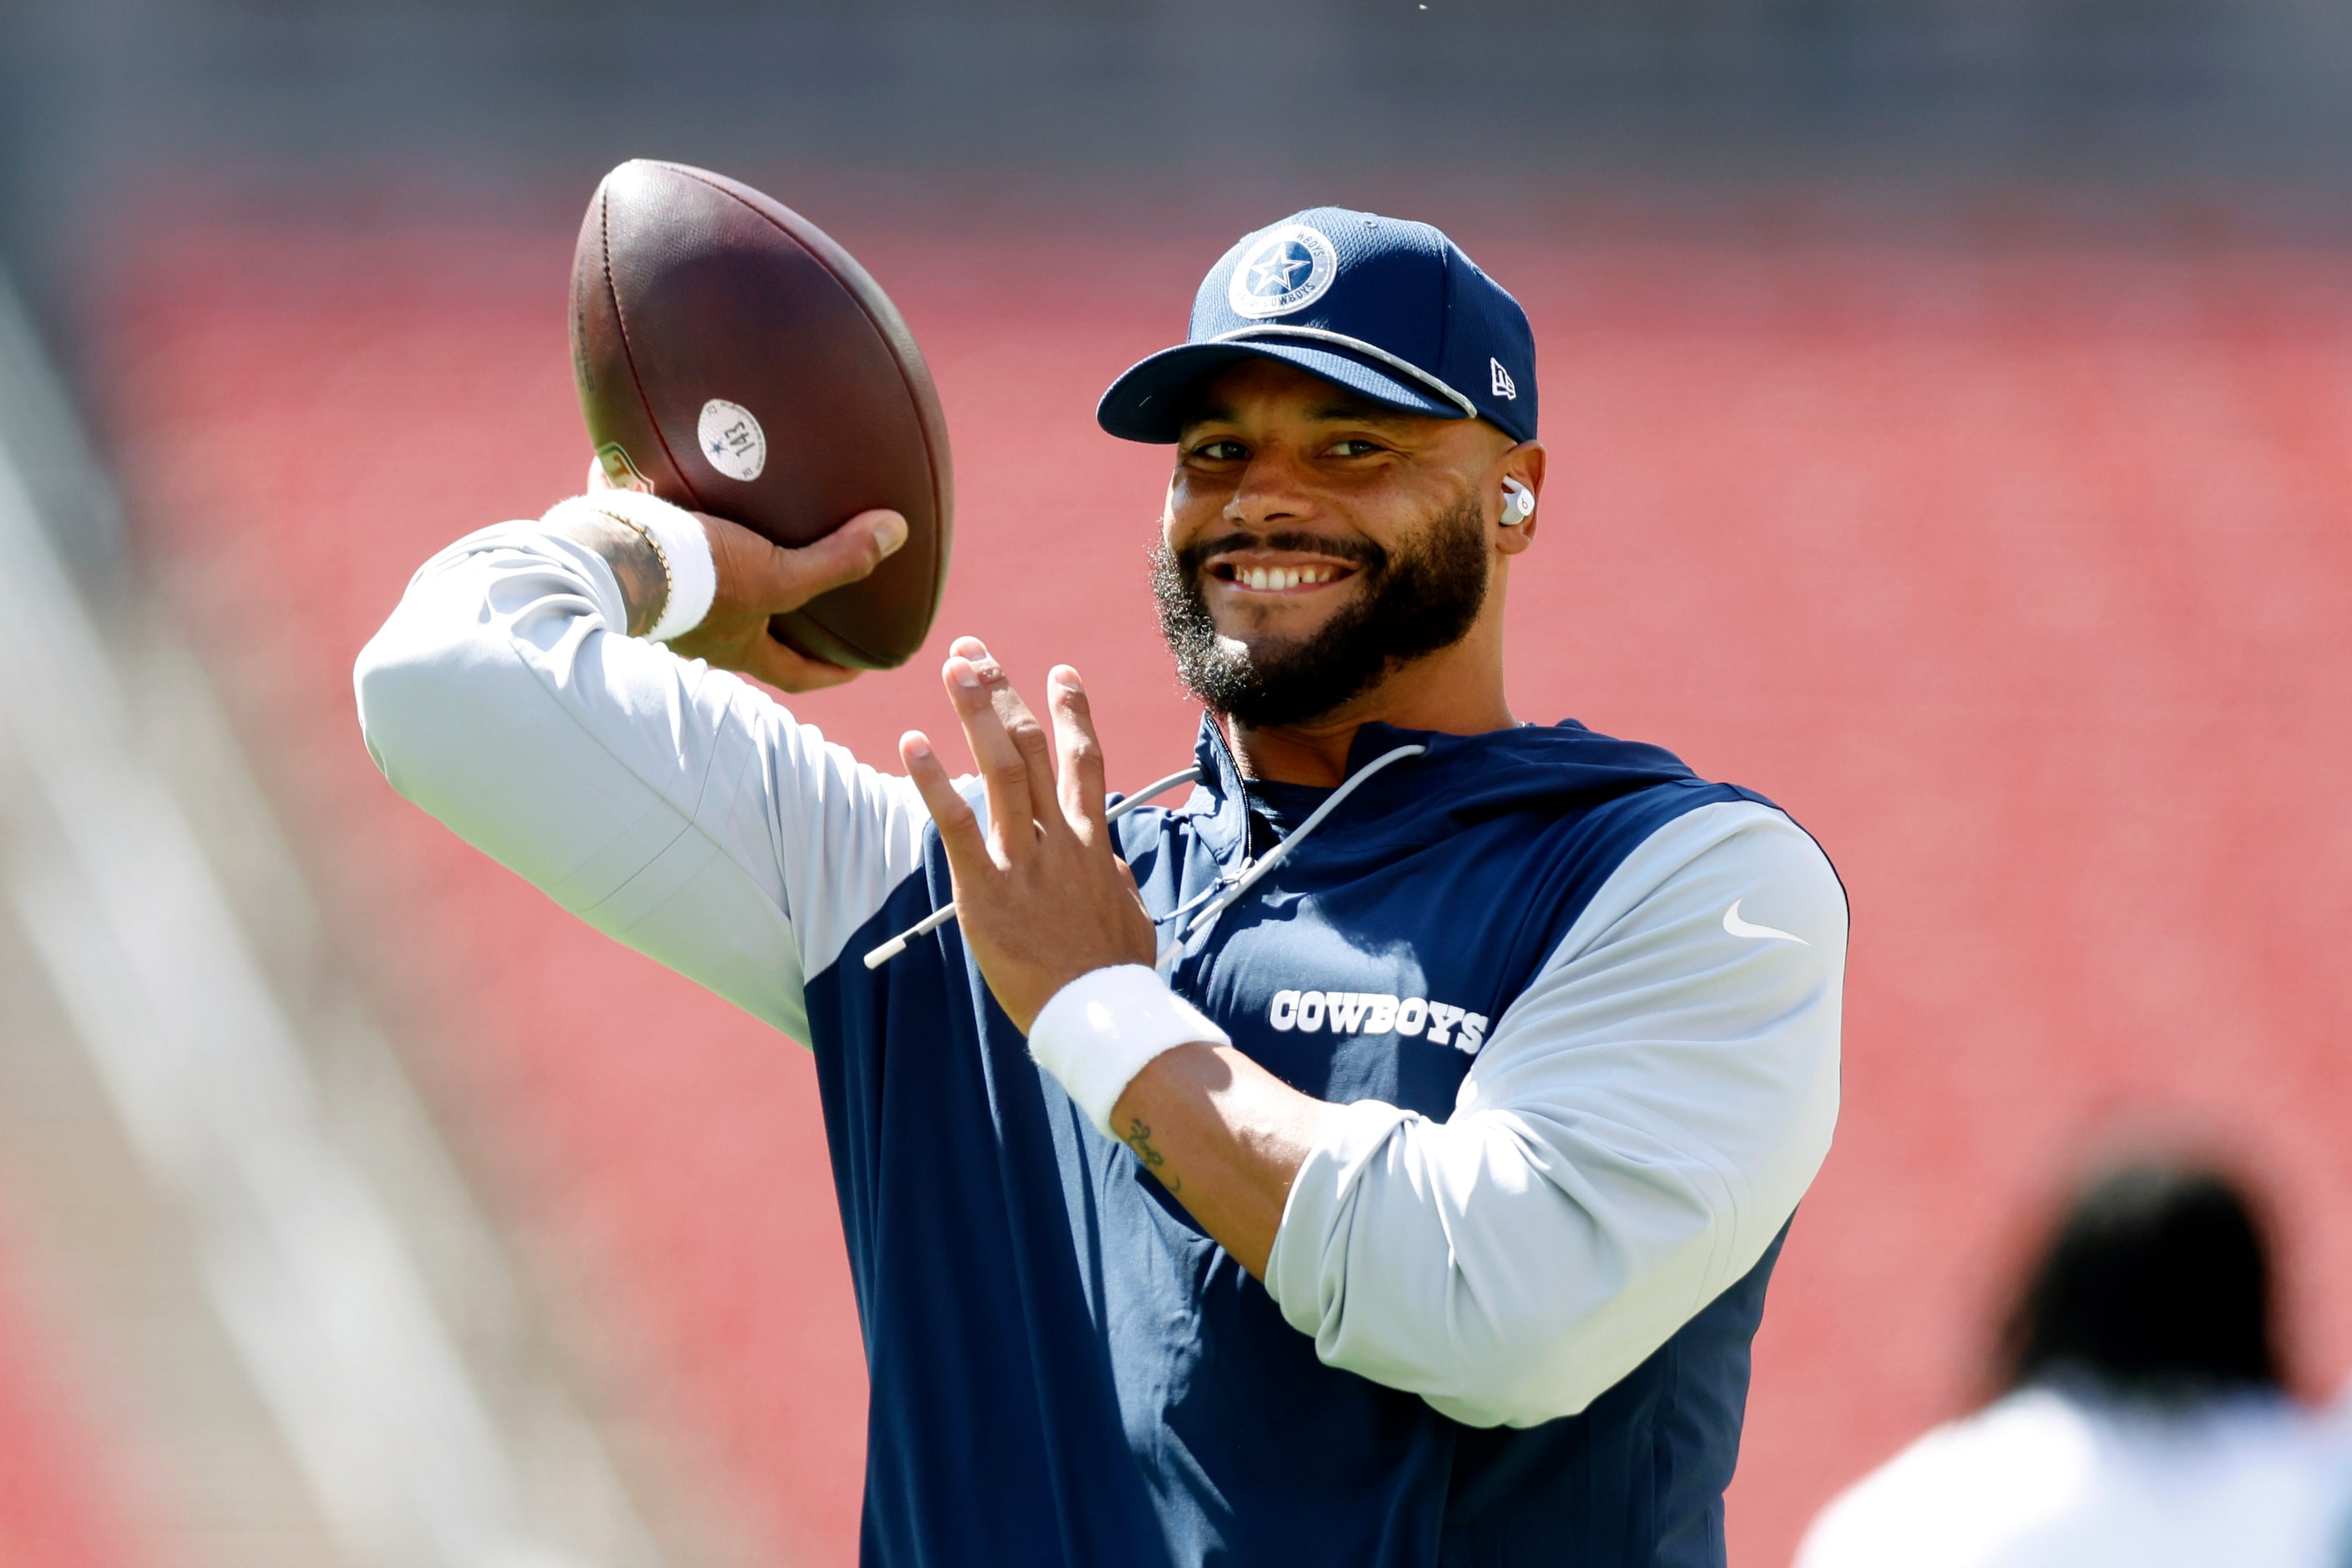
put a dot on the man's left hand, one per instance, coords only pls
(1041, 895)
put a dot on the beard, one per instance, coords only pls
(1420, 597)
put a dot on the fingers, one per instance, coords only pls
(1003, 773)
(1014, 753)
(1029, 735)
(848, 553)
(758, 578)
(788, 669)
(959, 834)
(1080, 754)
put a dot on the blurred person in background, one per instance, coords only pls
(2144, 1417)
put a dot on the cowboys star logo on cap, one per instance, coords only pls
(1286, 269)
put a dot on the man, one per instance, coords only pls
(1407, 1117)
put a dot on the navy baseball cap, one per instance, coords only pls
(1389, 310)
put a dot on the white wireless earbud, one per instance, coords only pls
(1519, 503)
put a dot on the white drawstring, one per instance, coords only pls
(1243, 881)
(1252, 875)
(946, 912)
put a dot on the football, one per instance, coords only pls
(732, 358)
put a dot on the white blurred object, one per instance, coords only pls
(2051, 1478)
(319, 1291)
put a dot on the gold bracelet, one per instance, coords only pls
(669, 583)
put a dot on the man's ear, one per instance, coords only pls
(1520, 482)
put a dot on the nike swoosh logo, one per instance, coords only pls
(1738, 927)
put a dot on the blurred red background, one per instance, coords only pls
(61, 1501)
(2005, 546)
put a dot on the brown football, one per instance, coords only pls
(734, 360)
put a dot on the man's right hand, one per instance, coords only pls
(757, 580)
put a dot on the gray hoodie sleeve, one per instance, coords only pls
(1633, 1134)
(669, 805)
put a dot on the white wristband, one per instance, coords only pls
(677, 537)
(1100, 1029)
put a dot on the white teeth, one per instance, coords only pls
(1275, 579)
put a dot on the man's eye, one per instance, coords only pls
(1220, 451)
(1354, 446)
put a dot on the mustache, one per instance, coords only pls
(1361, 554)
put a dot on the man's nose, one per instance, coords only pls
(1267, 491)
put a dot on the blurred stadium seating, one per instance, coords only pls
(1963, 477)
(2006, 552)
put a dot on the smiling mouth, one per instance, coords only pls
(1285, 577)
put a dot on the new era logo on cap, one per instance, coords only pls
(1389, 310)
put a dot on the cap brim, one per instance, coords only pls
(1151, 402)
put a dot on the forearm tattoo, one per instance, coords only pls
(637, 566)
(1138, 1137)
